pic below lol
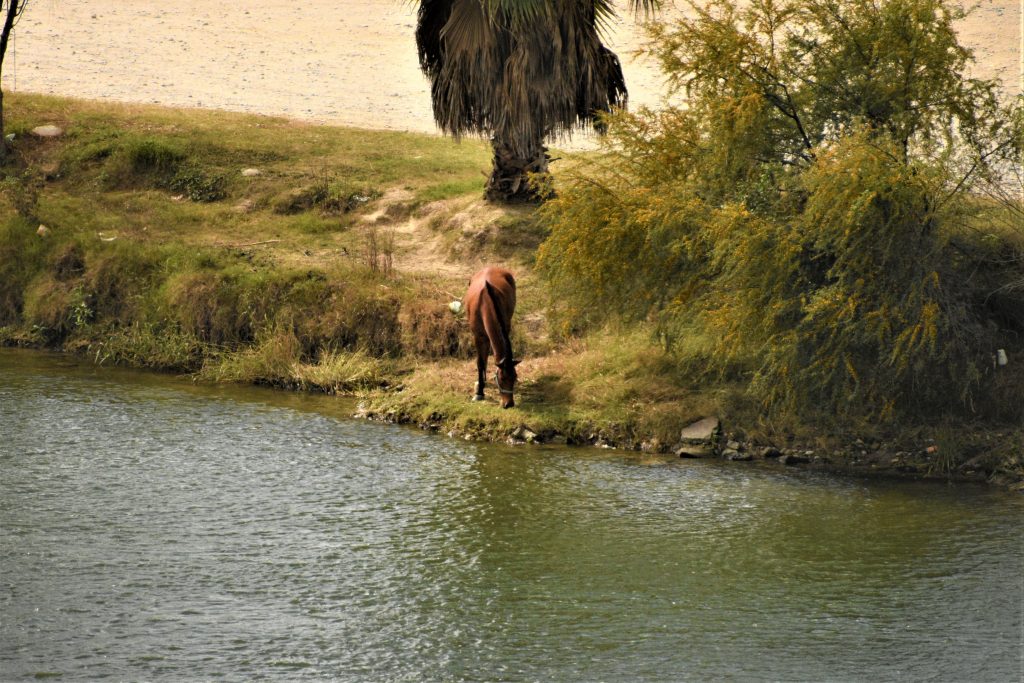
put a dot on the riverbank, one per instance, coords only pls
(253, 249)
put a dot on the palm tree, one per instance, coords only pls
(520, 71)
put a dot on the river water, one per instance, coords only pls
(152, 529)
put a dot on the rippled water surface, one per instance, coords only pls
(155, 530)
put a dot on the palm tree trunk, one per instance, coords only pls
(510, 181)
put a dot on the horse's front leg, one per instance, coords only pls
(481, 368)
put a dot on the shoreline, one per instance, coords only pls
(875, 461)
(879, 460)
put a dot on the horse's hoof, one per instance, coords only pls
(478, 397)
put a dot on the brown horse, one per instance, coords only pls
(489, 303)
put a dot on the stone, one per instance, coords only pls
(770, 452)
(794, 459)
(251, 172)
(694, 451)
(737, 456)
(47, 131)
(734, 445)
(524, 433)
(42, 231)
(701, 431)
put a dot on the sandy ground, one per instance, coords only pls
(351, 62)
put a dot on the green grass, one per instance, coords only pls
(132, 159)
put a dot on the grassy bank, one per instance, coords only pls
(253, 249)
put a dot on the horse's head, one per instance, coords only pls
(505, 377)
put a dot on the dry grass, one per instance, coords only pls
(339, 372)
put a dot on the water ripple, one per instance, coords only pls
(156, 530)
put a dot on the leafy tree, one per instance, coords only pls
(11, 11)
(814, 207)
(518, 71)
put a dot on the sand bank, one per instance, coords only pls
(351, 63)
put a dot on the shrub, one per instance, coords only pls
(131, 161)
(854, 302)
(343, 196)
(353, 318)
(812, 209)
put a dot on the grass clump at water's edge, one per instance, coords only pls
(268, 282)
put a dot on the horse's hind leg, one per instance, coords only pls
(482, 347)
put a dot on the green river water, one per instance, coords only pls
(156, 530)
